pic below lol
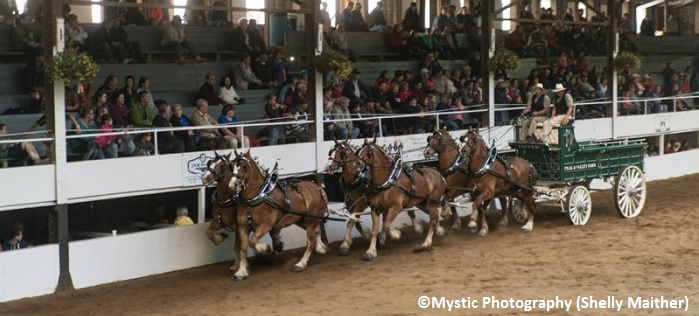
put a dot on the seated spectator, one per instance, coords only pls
(23, 39)
(207, 91)
(255, 40)
(144, 145)
(457, 105)
(144, 85)
(17, 150)
(141, 113)
(263, 70)
(415, 45)
(298, 114)
(76, 35)
(15, 238)
(105, 42)
(109, 144)
(121, 113)
(110, 87)
(87, 145)
(167, 142)
(228, 118)
(183, 216)
(411, 123)
(175, 39)
(382, 79)
(191, 139)
(154, 15)
(129, 90)
(227, 94)
(245, 79)
(214, 138)
(355, 90)
(396, 41)
(370, 128)
(288, 91)
(330, 129)
(341, 112)
(133, 48)
(273, 112)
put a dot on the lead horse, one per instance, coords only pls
(459, 180)
(224, 205)
(395, 187)
(355, 186)
(497, 176)
(265, 204)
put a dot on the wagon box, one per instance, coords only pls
(565, 171)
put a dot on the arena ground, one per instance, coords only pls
(654, 255)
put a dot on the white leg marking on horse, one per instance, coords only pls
(394, 234)
(440, 230)
(457, 223)
(419, 226)
(503, 221)
(529, 226)
(263, 248)
(321, 248)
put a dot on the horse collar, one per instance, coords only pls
(488, 161)
(224, 203)
(266, 187)
(456, 165)
(358, 180)
(395, 173)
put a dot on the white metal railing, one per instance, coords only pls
(381, 118)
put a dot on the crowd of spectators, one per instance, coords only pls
(429, 89)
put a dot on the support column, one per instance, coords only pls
(487, 31)
(201, 205)
(55, 112)
(613, 46)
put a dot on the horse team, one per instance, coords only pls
(249, 199)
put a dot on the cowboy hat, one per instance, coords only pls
(559, 87)
(539, 86)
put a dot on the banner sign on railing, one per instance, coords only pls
(662, 124)
(193, 167)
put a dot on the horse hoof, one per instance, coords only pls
(367, 257)
(482, 233)
(473, 230)
(298, 269)
(526, 230)
(424, 249)
(343, 252)
(238, 278)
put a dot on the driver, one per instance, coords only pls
(538, 105)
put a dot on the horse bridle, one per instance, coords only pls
(240, 180)
(218, 176)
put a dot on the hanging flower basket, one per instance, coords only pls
(336, 63)
(69, 66)
(625, 60)
(504, 59)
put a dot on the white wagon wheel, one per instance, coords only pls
(579, 205)
(517, 210)
(629, 191)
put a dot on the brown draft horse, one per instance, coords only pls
(459, 180)
(265, 205)
(394, 188)
(355, 186)
(223, 201)
(513, 177)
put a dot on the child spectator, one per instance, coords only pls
(108, 143)
(144, 145)
(183, 216)
(15, 238)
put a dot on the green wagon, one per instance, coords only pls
(566, 170)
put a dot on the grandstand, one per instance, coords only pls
(66, 205)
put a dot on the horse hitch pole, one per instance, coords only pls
(346, 214)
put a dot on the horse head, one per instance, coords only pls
(340, 154)
(375, 158)
(437, 143)
(246, 171)
(473, 146)
(217, 169)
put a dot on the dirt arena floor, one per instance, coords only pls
(653, 255)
